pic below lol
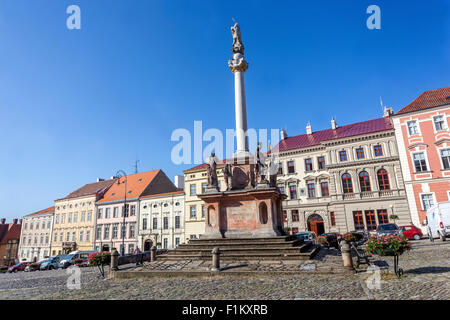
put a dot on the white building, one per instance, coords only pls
(35, 236)
(161, 221)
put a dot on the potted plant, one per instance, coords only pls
(100, 259)
(353, 237)
(323, 241)
(393, 217)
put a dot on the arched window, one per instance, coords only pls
(364, 181)
(347, 183)
(383, 179)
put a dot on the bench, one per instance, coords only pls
(362, 258)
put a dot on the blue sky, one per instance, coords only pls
(80, 104)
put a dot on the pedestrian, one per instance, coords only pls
(138, 255)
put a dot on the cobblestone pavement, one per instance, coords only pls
(426, 266)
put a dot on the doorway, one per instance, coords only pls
(105, 248)
(315, 224)
(147, 245)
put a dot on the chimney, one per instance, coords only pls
(3, 220)
(308, 128)
(388, 112)
(113, 177)
(283, 134)
(100, 179)
(20, 221)
(333, 124)
(15, 221)
(179, 181)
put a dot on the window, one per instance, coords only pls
(281, 189)
(165, 243)
(311, 190)
(364, 181)
(75, 217)
(56, 221)
(125, 210)
(99, 232)
(56, 237)
(378, 150)
(144, 224)
(99, 213)
(382, 216)
(280, 168)
(63, 218)
(193, 191)
(295, 216)
(383, 179)
(123, 231)
(131, 248)
(343, 155)
(115, 230)
(445, 156)
(419, 162)
(133, 211)
(88, 235)
(106, 232)
(332, 219)
(60, 237)
(81, 236)
(107, 213)
(68, 236)
(89, 216)
(203, 211)
(43, 225)
(293, 192)
(177, 222)
(321, 163)
(427, 201)
(131, 231)
(193, 212)
(370, 220)
(204, 185)
(73, 236)
(166, 223)
(285, 216)
(360, 153)
(347, 185)
(83, 216)
(177, 241)
(308, 164)
(324, 189)
(294, 230)
(439, 123)
(155, 223)
(291, 168)
(358, 220)
(412, 127)
(115, 212)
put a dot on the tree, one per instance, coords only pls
(393, 217)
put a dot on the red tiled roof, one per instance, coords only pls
(428, 99)
(48, 210)
(136, 185)
(12, 233)
(163, 194)
(220, 163)
(90, 189)
(316, 138)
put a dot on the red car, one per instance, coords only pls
(411, 232)
(18, 267)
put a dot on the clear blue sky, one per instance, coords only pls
(80, 104)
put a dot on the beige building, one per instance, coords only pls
(195, 181)
(342, 179)
(73, 225)
(35, 236)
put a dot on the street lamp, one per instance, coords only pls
(119, 175)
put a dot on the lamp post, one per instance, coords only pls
(119, 175)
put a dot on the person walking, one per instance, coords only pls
(138, 255)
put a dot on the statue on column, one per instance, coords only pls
(228, 176)
(238, 47)
(260, 166)
(211, 163)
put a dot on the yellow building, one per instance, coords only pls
(195, 181)
(74, 218)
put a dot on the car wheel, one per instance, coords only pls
(16, 271)
(442, 237)
(416, 237)
(50, 268)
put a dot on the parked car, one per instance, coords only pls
(411, 232)
(18, 267)
(388, 228)
(72, 257)
(3, 269)
(307, 236)
(52, 262)
(438, 221)
(81, 263)
(332, 238)
(33, 266)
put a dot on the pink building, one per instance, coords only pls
(109, 224)
(423, 138)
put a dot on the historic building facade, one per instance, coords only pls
(161, 221)
(117, 227)
(342, 179)
(423, 137)
(35, 237)
(74, 218)
(195, 182)
(9, 242)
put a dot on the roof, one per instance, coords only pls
(90, 189)
(136, 185)
(202, 166)
(48, 210)
(316, 138)
(163, 194)
(428, 99)
(12, 233)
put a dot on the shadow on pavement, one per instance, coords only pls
(424, 270)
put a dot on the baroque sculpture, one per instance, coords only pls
(228, 176)
(211, 163)
(260, 167)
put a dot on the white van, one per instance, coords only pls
(438, 221)
(69, 259)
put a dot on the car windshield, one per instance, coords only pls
(68, 257)
(302, 235)
(387, 227)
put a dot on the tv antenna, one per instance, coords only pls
(136, 166)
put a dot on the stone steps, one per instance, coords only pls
(231, 245)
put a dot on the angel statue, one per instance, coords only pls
(238, 47)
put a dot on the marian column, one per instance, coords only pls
(238, 66)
